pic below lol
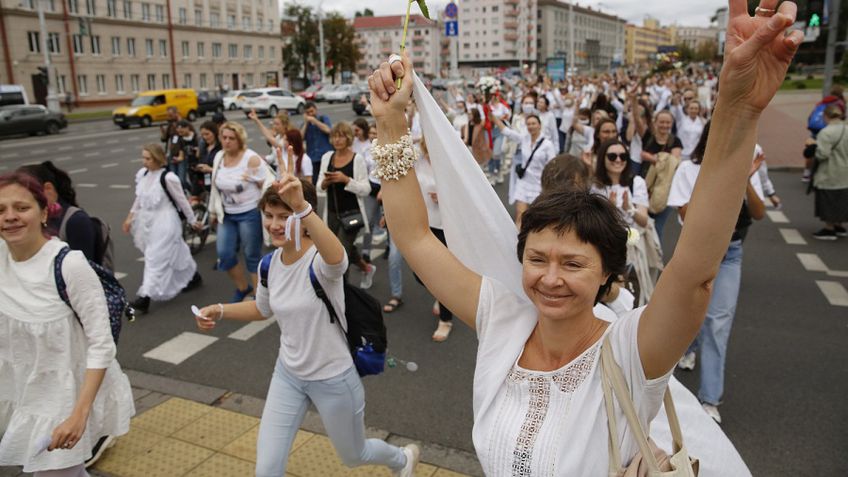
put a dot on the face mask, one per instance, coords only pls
(583, 121)
(528, 109)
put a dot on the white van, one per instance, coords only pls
(12, 94)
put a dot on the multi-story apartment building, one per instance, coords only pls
(598, 37)
(497, 32)
(378, 37)
(695, 37)
(642, 42)
(105, 51)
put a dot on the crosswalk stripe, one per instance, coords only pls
(180, 348)
(812, 262)
(777, 217)
(87, 186)
(792, 237)
(834, 292)
(838, 273)
(250, 330)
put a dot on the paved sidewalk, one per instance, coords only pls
(185, 429)
(783, 128)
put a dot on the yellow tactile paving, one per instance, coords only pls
(169, 458)
(216, 429)
(171, 416)
(447, 473)
(136, 443)
(220, 465)
(244, 447)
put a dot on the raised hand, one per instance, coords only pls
(289, 187)
(386, 99)
(757, 53)
(252, 115)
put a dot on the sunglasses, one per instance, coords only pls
(617, 156)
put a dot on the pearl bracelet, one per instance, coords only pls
(394, 161)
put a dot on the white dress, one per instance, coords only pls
(44, 352)
(158, 233)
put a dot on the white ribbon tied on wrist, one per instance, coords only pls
(294, 220)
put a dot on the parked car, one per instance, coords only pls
(342, 94)
(231, 101)
(362, 102)
(30, 119)
(151, 106)
(12, 94)
(309, 93)
(321, 95)
(209, 102)
(268, 101)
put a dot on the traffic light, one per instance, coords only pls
(815, 13)
(84, 29)
(42, 75)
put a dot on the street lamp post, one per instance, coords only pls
(52, 99)
(321, 43)
(830, 54)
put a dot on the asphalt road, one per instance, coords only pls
(786, 378)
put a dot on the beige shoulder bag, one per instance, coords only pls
(650, 461)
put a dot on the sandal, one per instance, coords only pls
(442, 332)
(393, 304)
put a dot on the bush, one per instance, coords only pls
(799, 84)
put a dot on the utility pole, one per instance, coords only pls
(571, 61)
(321, 42)
(52, 100)
(830, 55)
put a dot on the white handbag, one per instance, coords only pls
(650, 461)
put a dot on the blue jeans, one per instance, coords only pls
(715, 332)
(374, 211)
(660, 220)
(181, 170)
(340, 401)
(560, 137)
(497, 151)
(395, 269)
(238, 231)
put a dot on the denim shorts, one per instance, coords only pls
(237, 232)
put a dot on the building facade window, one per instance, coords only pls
(53, 44)
(63, 84)
(216, 50)
(250, 79)
(73, 6)
(183, 16)
(101, 84)
(166, 81)
(231, 21)
(163, 48)
(112, 8)
(135, 83)
(187, 80)
(131, 47)
(219, 80)
(160, 13)
(145, 12)
(127, 9)
(151, 81)
(202, 80)
(34, 41)
(198, 17)
(214, 19)
(186, 49)
(248, 51)
(116, 46)
(78, 45)
(272, 55)
(95, 45)
(261, 52)
(119, 84)
(245, 23)
(201, 49)
(148, 46)
(82, 85)
(90, 7)
(233, 50)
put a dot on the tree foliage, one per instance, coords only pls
(301, 52)
(342, 53)
(365, 13)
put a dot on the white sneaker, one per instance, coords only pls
(687, 362)
(378, 239)
(712, 411)
(368, 277)
(412, 455)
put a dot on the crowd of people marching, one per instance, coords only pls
(595, 167)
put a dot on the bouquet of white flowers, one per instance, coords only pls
(489, 86)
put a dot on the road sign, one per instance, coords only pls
(451, 28)
(451, 10)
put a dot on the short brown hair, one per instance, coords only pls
(565, 172)
(272, 198)
(238, 130)
(343, 129)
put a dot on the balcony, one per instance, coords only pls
(386, 50)
(510, 25)
(511, 36)
(511, 13)
(512, 2)
(419, 48)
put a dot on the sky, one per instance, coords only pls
(688, 13)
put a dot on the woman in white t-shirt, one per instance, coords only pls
(615, 181)
(538, 403)
(689, 123)
(314, 363)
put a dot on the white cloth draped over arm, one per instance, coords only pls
(89, 302)
(175, 189)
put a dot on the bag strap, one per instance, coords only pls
(613, 375)
(530, 159)
(264, 266)
(71, 210)
(322, 295)
(168, 194)
(61, 286)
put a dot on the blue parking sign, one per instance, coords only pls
(451, 28)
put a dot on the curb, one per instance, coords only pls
(150, 390)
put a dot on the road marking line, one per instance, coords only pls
(64, 148)
(792, 237)
(106, 166)
(777, 217)
(87, 186)
(120, 149)
(139, 259)
(38, 151)
(120, 275)
(92, 144)
(137, 160)
(62, 159)
(250, 330)
(92, 154)
(838, 273)
(77, 171)
(812, 262)
(119, 186)
(834, 292)
(11, 154)
(113, 141)
(180, 348)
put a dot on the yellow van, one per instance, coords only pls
(152, 106)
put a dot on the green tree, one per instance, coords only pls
(685, 52)
(365, 13)
(706, 51)
(301, 52)
(342, 53)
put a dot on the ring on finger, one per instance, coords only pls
(764, 12)
(394, 57)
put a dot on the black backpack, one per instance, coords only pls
(366, 333)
